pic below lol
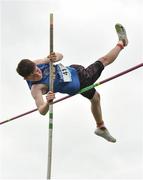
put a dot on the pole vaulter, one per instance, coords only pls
(43, 77)
(82, 90)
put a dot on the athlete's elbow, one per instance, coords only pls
(43, 109)
(42, 112)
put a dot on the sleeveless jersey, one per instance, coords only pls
(70, 88)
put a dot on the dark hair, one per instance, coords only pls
(25, 67)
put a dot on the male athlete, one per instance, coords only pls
(70, 80)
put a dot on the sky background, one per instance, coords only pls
(83, 31)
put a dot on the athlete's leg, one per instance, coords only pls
(123, 41)
(111, 55)
(96, 109)
(97, 114)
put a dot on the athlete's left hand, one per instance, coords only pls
(50, 96)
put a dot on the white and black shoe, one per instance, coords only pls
(121, 32)
(105, 134)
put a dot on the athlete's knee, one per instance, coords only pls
(96, 98)
(105, 60)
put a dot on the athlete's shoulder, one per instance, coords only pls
(41, 61)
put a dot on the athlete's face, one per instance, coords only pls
(35, 76)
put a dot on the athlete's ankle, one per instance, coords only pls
(101, 125)
(120, 44)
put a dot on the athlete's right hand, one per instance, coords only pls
(50, 96)
(55, 57)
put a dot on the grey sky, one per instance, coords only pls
(83, 32)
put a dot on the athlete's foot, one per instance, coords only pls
(105, 134)
(121, 32)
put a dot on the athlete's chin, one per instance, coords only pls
(37, 79)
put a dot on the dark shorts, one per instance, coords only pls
(88, 76)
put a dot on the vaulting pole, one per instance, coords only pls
(51, 88)
(81, 91)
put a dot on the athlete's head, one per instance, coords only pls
(28, 69)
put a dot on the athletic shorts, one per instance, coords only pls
(88, 76)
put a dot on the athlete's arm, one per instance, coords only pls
(42, 106)
(55, 57)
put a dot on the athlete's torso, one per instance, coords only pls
(71, 87)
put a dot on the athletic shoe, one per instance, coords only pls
(121, 32)
(105, 134)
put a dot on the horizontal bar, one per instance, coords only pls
(81, 91)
